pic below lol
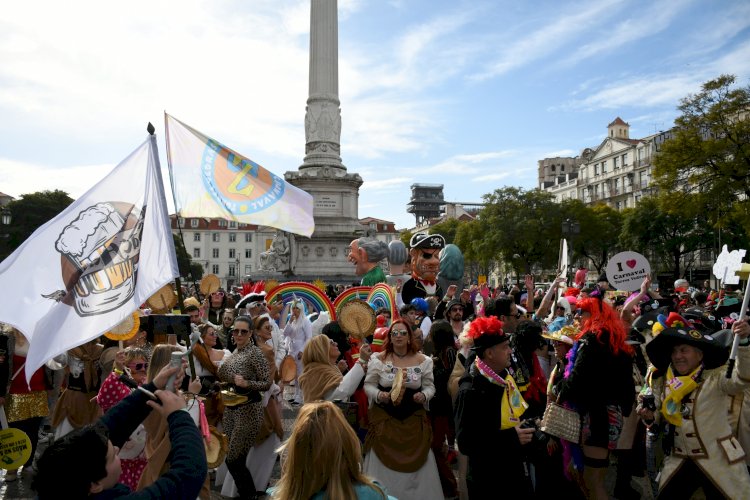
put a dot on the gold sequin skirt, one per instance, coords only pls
(23, 406)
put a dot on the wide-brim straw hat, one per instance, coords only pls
(357, 319)
(216, 447)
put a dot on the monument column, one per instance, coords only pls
(323, 114)
(322, 174)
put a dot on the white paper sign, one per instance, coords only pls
(626, 271)
(726, 264)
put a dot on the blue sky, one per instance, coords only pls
(469, 94)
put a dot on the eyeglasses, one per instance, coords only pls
(399, 333)
(258, 304)
(238, 331)
(138, 366)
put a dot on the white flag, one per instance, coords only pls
(94, 264)
(211, 180)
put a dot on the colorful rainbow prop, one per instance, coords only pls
(381, 295)
(355, 292)
(314, 298)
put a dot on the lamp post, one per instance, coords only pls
(5, 219)
(570, 228)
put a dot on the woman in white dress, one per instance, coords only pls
(399, 383)
(208, 359)
(298, 332)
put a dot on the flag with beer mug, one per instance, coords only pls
(94, 264)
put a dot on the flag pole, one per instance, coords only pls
(179, 227)
(151, 129)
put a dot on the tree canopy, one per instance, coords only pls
(709, 153)
(30, 212)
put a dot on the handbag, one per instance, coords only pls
(562, 422)
(350, 411)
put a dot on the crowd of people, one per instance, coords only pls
(456, 396)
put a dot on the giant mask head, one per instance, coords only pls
(365, 253)
(425, 255)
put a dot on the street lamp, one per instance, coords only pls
(570, 228)
(6, 217)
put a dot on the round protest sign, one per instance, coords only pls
(626, 270)
(15, 448)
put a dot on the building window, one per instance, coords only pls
(232, 253)
(248, 237)
(617, 186)
(604, 167)
(232, 224)
(248, 253)
(193, 222)
(625, 160)
(215, 253)
(616, 162)
(232, 270)
(596, 169)
(216, 237)
(196, 236)
(242, 225)
(562, 168)
(196, 253)
(248, 268)
(180, 222)
(552, 168)
(215, 269)
(618, 205)
(232, 237)
(222, 223)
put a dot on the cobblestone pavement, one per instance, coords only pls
(21, 488)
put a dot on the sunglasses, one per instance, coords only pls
(238, 331)
(138, 366)
(258, 304)
(399, 333)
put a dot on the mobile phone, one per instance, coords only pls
(175, 360)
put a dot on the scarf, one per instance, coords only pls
(513, 405)
(89, 354)
(318, 379)
(675, 390)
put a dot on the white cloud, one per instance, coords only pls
(563, 153)
(386, 183)
(74, 180)
(549, 38)
(645, 22)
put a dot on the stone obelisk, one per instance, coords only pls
(322, 174)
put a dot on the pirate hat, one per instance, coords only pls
(428, 241)
(659, 350)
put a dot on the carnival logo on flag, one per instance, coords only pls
(236, 183)
(100, 249)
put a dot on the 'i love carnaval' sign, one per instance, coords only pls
(626, 271)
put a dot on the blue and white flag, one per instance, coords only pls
(211, 180)
(90, 267)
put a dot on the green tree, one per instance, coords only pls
(600, 228)
(518, 225)
(709, 152)
(193, 271)
(667, 238)
(448, 229)
(30, 212)
(405, 237)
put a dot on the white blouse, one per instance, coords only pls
(383, 374)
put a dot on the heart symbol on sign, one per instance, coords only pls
(630, 263)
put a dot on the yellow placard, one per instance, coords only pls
(482, 279)
(15, 448)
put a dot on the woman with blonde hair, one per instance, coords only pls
(321, 379)
(323, 459)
